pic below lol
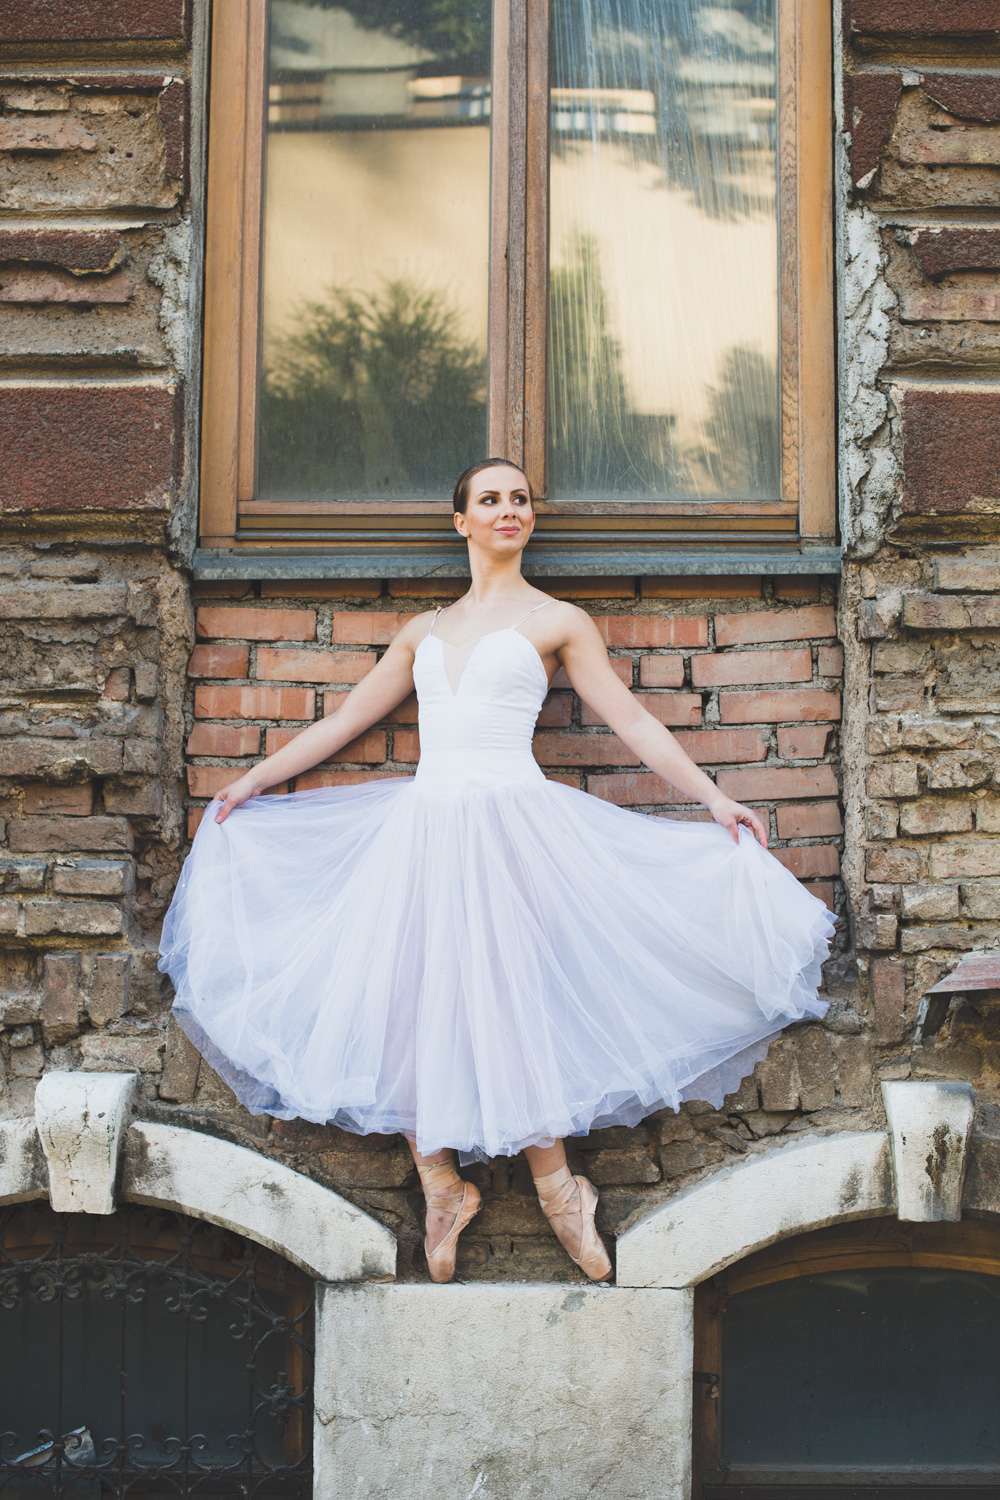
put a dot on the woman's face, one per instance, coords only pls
(498, 516)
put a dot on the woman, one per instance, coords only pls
(479, 958)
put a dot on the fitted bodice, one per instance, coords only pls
(478, 735)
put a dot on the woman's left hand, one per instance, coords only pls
(732, 815)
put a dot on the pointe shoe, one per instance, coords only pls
(441, 1260)
(561, 1195)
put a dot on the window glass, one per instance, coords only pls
(871, 1369)
(376, 229)
(663, 297)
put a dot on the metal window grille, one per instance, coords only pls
(148, 1353)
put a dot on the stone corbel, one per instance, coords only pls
(80, 1118)
(929, 1129)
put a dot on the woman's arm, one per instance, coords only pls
(384, 688)
(587, 666)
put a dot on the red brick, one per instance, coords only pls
(557, 712)
(634, 789)
(321, 588)
(288, 665)
(224, 739)
(804, 742)
(205, 781)
(312, 779)
(669, 708)
(823, 891)
(870, 101)
(406, 746)
(235, 590)
(564, 778)
(575, 749)
(195, 815)
(948, 248)
(810, 861)
(693, 587)
(653, 630)
(92, 20)
(813, 821)
(366, 627)
(426, 588)
(71, 801)
(796, 586)
(67, 835)
(778, 783)
(938, 426)
(99, 446)
(368, 747)
(768, 707)
(830, 661)
(73, 249)
(219, 661)
(888, 986)
(406, 713)
(254, 703)
(256, 624)
(920, 18)
(775, 625)
(721, 746)
(752, 666)
(620, 665)
(117, 685)
(661, 671)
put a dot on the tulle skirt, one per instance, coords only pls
(487, 970)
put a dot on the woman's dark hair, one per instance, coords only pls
(460, 499)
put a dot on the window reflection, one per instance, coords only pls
(663, 298)
(376, 228)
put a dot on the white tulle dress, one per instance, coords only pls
(476, 956)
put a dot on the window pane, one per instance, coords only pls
(864, 1369)
(663, 301)
(376, 227)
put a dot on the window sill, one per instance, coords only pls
(654, 560)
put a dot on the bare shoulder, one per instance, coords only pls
(573, 624)
(409, 636)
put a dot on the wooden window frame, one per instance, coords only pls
(232, 516)
(971, 1245)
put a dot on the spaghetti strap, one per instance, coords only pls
(531, 612)
(430, 628)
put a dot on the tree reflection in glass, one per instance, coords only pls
(663, 302)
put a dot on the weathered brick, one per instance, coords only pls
(951, 611)
(966, 575)
(369, 747)
(98, 878)
(51, 601)
(556, 712)
(653, 630)
(923, 939)
(852, 1058)
(899, 656)
(146, 682)
(366, 627)
(936, 815)
(254, 703)
(930, 902)
(689, 1156)
(553, 748)
(778, 1076)
(380, 1169)
(256, 624)
(965, 859)
(779, 782)
(219, 661)
(661, 671)
(988, 816)
(223, 739)
(633, 789)
(803, 741)
(830, 661)
(876, 931)
(205, 781)
(811, 861)
(27, 1062)
(894, 778)
(814, 1061)
(980, 901)
(89, 446)
(109, 988)
(78, 250)
(10, 916)
(720, 670)
(897, 866)
(64, 835)
(137, 799)
(621, 1168)
(775, 625)
(955, 772)
(917, 18)
(668, 708)
(949, 305)
(132, 1054)
(179, 1079)
(809, 821)
(61, 998)
(888, 989)
(71, 801)
(870, 101)
(92, 20)
(881, 820)
(288, 665)
(937, 425)
(118, 685)
(76, 918)
(778, 704)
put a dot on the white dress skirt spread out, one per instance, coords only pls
(476, 956)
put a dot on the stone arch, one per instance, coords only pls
(70, 1153)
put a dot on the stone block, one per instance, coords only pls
(897, 866)
(936, 815)
(888, 990)
(980, 900)
(136, 799)
(70, 801)
(59, 759)
(146, 680)
(103, 1053)
(108, 995)
(89, 446)
(619, 1168)
(92, 878)
(689, 1156)
(27, 1062)
(80, 1120)
(92, 20)
(358, 1169)
(179, 1080)
(853, 1062)
(76, 918)
(814, 1060)
(893, 778)
(406, 1362)
(930, 902)
(876, 931)
(58, 835)
(964, 859)
(881, 820)
(20, 1010)
(929, 1127)
(62, 1001)
(10, 915)
(951, 611)
(778, 1077)
(923, 939)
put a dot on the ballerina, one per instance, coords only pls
(479, 958)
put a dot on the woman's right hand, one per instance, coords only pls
(235, 795)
